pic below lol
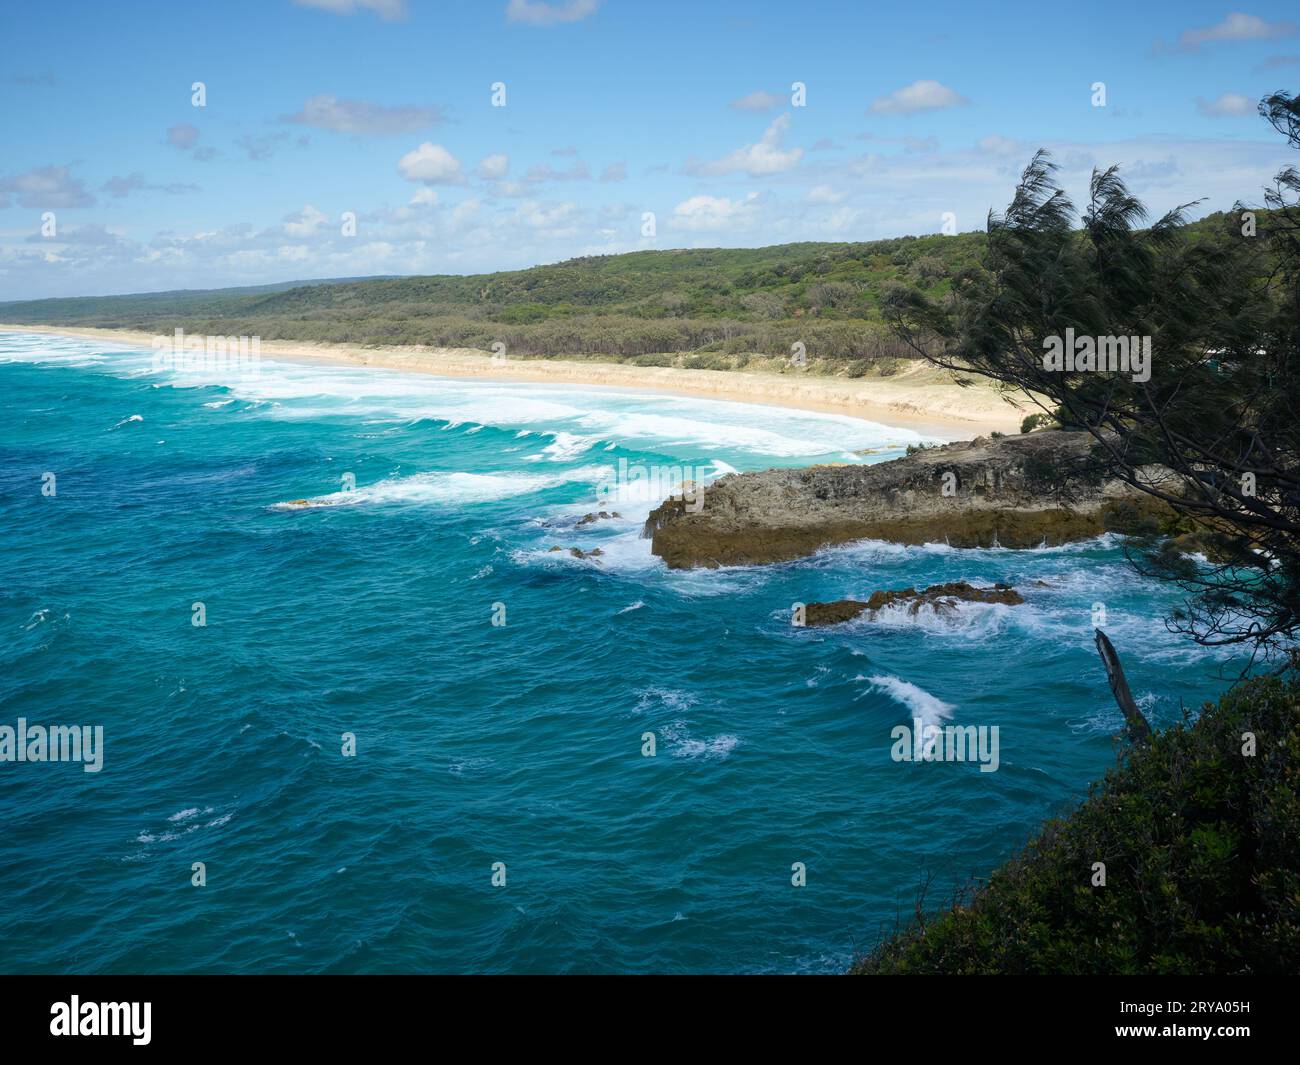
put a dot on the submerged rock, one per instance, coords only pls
(951, 591)
(1216, 547)
(1041, 488)
(941, 598)
(833, 613)
(578, 552)
(589, 519)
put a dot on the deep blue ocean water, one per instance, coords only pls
(479, 743)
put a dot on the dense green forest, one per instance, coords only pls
(709, 308)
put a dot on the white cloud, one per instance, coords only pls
(766, 157)
(545, 172)
(538, 13)
(385, 9)
(547, 215)
(92, 235)
(43, 187)
(425, 197)
(121, 187)
(713, 212)
(1235, 27)
(841, 222)
(922, 95)
(884, 194)
(1229, 105)
(998, 145)
(758, 101)
(364, 118)
(305, 222)
(494, 167)
(431, 163)
(824, 194)
(463, 213)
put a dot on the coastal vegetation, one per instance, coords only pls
(1217, 403)
(1186, 858)
(705, 308)
(1197, 834)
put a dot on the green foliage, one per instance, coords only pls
(748, 304)
(1035, 421)
(1201, 844)
(1213, 311)
(733, 301)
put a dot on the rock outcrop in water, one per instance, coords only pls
(942, 599)
(1040, 488)
(591, 519)
(578, 552)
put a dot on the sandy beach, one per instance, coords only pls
(918, 397)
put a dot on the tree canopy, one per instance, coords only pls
(1210, 423)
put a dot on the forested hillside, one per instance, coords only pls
(710, 308)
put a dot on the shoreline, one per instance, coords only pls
(920, 398)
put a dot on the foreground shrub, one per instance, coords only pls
(1201, 844)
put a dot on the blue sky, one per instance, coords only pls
(613, 109)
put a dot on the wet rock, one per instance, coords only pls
(942, 599)
(833, 613)
(1217, 548)
(578, 552)
(1043, 488)
(590, 519)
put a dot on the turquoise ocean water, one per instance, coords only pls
(478, 743)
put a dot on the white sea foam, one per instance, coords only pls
(718, 747)
(971, 619)
(39, 618)
(930, 709)
(578, 417)
(566, 446)
(683, 745)
(673, 699)
(449, 488)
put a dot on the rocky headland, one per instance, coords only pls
(1047, 487)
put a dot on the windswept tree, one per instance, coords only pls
(1211, 425)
